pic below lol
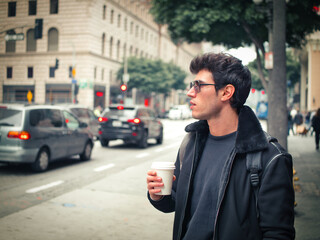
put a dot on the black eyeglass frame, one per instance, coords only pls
(197, 85)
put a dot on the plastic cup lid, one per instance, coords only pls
(163, 165)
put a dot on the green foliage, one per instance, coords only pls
(293, 72)
(153, 75)
(232, 23)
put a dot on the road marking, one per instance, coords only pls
(166, 147)
(105, 167)
(142, 155)
(43, 187)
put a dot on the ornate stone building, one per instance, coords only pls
(310, 74)
(93, 37)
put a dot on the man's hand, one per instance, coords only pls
(154, 181)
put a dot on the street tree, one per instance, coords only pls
(153, 75)
(236, 23)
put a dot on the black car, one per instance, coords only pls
(131, 124)
(40, 134)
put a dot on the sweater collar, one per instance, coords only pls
(250, 136)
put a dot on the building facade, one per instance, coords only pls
(83, 44)
(310, 74)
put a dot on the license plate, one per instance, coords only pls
(116, 124)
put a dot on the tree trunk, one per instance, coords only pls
(261, 76)
(277, 94)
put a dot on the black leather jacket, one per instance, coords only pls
(236, 211)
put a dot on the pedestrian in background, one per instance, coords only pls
(298, 121)
(290, 123)
(316, 127)
(212, 195)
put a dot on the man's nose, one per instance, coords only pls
(191, 93)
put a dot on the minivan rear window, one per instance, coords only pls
(115, 113)
(45, 118)
(10, 117)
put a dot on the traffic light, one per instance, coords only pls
(253, 90)
(123, 87)
(38, 28)
(57, 63)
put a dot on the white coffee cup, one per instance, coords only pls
(165, 171)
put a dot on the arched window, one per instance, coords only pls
(111, 16)
(110, 47)
(104, 12)
(53, 39)
(11, 45)
(31, 42)
(103, 43)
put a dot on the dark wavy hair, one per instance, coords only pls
(225, 70)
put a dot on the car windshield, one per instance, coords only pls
(10, 117)
(116, 113)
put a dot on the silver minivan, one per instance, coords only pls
(40, 134)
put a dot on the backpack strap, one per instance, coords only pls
(253, 162)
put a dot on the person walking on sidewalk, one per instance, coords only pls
(212, 195)
(316, 127)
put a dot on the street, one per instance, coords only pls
(105, 198)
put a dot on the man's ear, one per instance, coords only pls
(228, 92)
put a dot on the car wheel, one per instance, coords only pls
(104, 142)
(86, 155)
(42, 162)
(143, 143)
(160, 138)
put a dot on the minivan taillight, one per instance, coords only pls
(23, 135)
(135, 120)
(103, 119)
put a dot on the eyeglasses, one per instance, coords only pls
(196, 84)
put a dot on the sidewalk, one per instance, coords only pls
(105, 211)
(306, 161)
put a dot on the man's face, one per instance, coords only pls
(205, 104)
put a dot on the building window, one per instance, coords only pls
(32, 7)
(110, 47)
(125, 24)
(30, 72)
(54, 6)
(118, 49)
(104, 12)
(31, 42)
(137, 31)
(9, 72)
(95, 73)
(111, 16)
(12, 9)
(102, 74)
(103, 43)
(11, 45)
(131, 28)
(119, 20)
(53, 39)
(52, 71)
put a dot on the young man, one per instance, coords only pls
(212, 195)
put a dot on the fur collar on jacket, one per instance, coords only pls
(250, 136)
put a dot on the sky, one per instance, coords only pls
(246, 54)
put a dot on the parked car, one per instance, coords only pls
(85, 115)
(131, 124)
(179, 112)
(41, 134)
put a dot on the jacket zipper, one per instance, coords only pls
(186, 200)
(224, 192)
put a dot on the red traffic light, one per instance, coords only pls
(253, 90)
(99, 94)
(263, 92)
(123, 87)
